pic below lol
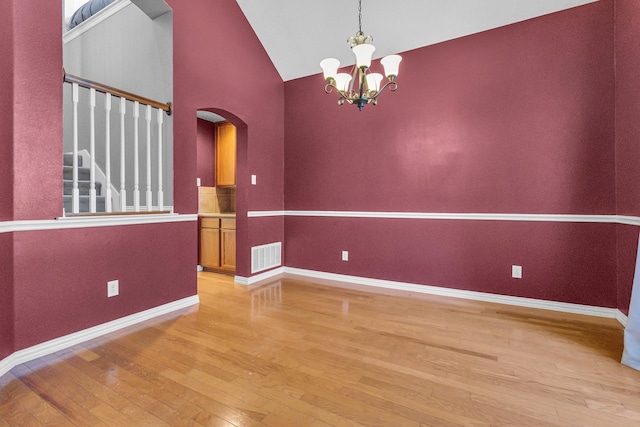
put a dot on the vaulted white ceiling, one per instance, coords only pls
(298, 34)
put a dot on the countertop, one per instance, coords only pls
(216, 215)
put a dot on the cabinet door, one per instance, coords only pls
(228, 249)
(225, 154)
(210, 247)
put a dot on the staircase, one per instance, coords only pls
(83, 186)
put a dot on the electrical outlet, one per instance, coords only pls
(345, 255)
(113, 288)
(254, 180)
(198, 182)
(516, 271)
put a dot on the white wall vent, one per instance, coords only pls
(264, 257)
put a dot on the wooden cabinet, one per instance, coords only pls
(225, 155)
(228, 244)
(218, 244)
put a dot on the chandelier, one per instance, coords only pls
(361, 86)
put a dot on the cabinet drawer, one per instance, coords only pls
(210, 222)
(229, 223)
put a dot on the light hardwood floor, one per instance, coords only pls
(295, 353)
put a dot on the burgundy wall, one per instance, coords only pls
(61, 286)
(561, 261)
(6, 178)
(519, 119)
(6, 295)
(37, 137)
(627, 52)
(6, 111)
(206, 152)
(220, 65)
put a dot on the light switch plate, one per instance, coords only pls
(254, 179)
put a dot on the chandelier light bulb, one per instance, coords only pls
(342, 81)
(363, 53)
(373, 81)
(391, 64)
(330, 68)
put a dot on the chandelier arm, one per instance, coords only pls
(393, 86)
(329, 89)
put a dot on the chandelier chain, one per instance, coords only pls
(359, 16)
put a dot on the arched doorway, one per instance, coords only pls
(221, 148)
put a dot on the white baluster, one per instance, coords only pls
(123, 191)
(92, 149)
(107, 137)
(149, 194)
(75, 192)
(160, 193)
(136, 166)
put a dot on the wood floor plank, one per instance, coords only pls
(32, 403)
(315, 354)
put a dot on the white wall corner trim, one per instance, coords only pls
(610, 313)
(259, 277)
(93, 221)
(620, 317)
(70, 340)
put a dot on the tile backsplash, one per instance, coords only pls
(216, 199)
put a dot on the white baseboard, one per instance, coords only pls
(259, 277)
(610, 313)
(70, 340)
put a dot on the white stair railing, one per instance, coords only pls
(107, 151)
(114, 199)
(136, 158)
(148, 193)
(123, 191)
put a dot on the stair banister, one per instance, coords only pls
(123, 191)
(75, 201)
(148, 193)
(136, 158)
(107, 139)
(92, 150)
(124, 96)
(160, 119)
(90, 84)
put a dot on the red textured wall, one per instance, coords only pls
(565, 262)
(206, 152)
(61, 286)
(6, 295)
(221, 66)
(519, 119)
(6, 178)
(627, 53)
(6, 111)
(37, 137)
